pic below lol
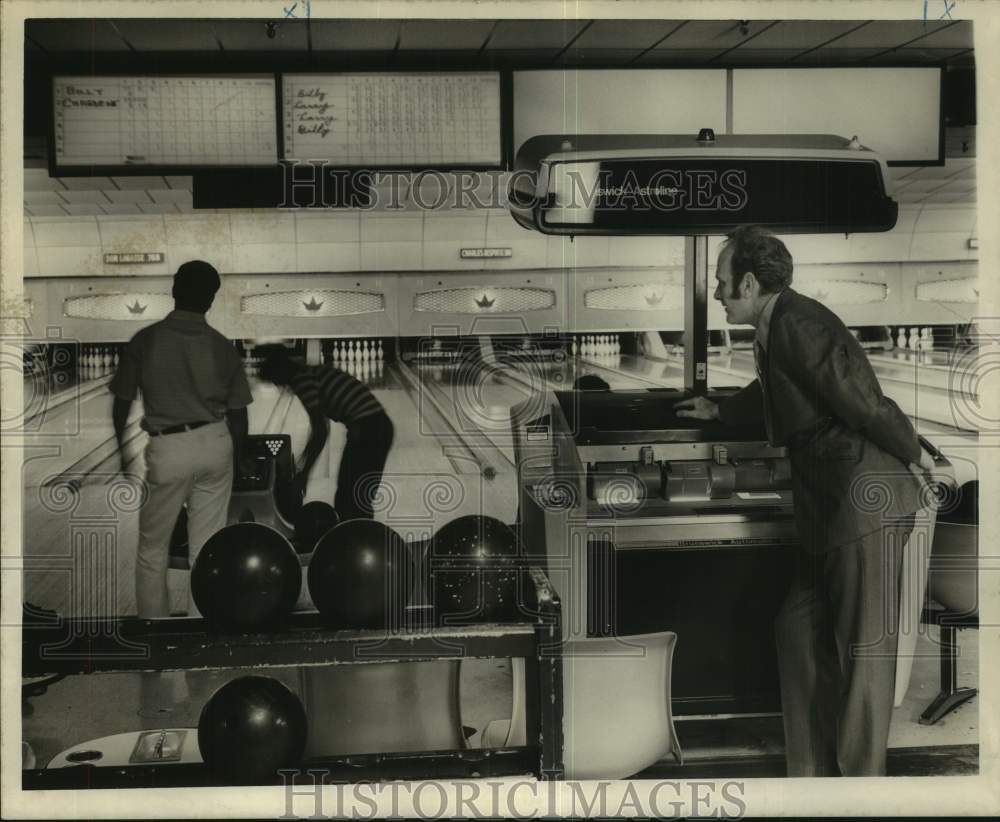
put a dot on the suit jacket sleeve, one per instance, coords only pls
(837, 373)
(745, 407)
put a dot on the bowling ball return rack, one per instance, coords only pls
(84, 646)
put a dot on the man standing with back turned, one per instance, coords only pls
(855, 489)
(192, 383)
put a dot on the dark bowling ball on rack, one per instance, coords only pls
(358, 576)
(474, 569)
(312, 522)
(247, 577)
(249, 729)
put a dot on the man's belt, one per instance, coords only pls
(177, 429)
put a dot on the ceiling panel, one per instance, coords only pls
(444, 34)
(251, 35)
(74, 35)
(80, 197)
(169, 35)
(684, 57)
(958, 35)
(38, 179)
(121, 208)
(800, 34)
(711, 34)
(83, 209)
(531, 35)
(46, 211)
(599, 57)
(86, 183)
(883, 34)
(126, 183)
(625, 34)
(914, 55)
(354, 35)
(833, 55)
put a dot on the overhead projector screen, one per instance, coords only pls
(894, 111)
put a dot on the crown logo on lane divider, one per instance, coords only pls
(485, 301)
(312, 305)
(654, 298)
(136, 308)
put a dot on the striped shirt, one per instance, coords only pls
(334, 393)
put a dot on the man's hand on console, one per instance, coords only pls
(698, 408)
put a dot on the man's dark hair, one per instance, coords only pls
(277, 363)
(195, 285)
(756, 249)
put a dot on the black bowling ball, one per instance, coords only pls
(474, 571)
(251, 727)
(312, 522)
(247, 577)
(358, 576)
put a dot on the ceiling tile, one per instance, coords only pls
(170, 195)
(958, 35)
(598, 57)
(529, 35)
(87, 183)
(251, 35)
(711, 34)
(886, 34)
(43, 198)
(78, 197)
(127, 183)
(444, 34)
(800, 34)
(83, 209)
(129, 196)
(912, 55)
(157, 208)
(74, 35)
(354, 35)
(667, 57)
(45, 211)
(169, 34)
(121, 208)
(38, 179)
(833, 55)
(625, 34)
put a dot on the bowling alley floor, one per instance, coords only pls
(82, 708)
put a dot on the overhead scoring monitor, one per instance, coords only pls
(121, 123)
(687, 185)
(384, 119)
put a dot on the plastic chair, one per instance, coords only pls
(382, 707)
(617, 716)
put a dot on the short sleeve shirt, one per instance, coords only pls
(185, 370)
(324, 390)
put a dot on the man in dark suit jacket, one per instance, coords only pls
(855, 487)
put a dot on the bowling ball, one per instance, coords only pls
(474, 571)
(247, 577)
(251, 727)
(312, 521)
(357, 576)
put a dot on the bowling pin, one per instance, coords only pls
(914, 339)
(617, 346)
(380, 352)
(901, 338)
